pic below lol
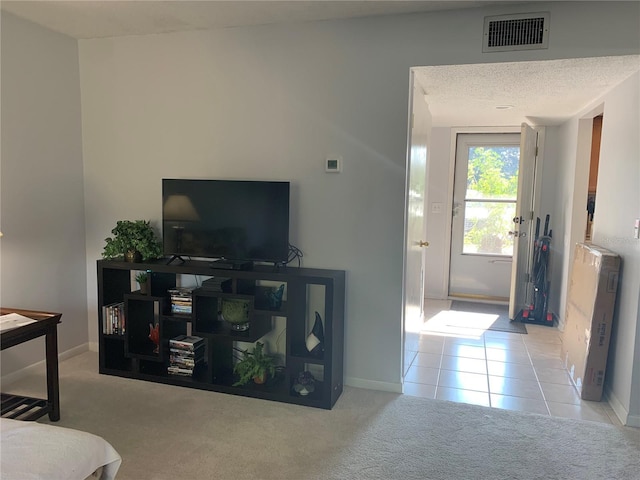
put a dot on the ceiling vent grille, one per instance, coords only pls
(528, 31)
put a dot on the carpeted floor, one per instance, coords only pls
(165, 432)
(501, 324)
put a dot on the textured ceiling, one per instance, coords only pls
(112, 18)
(541, 92)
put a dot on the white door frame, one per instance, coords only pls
(452, 164)
(416, 95)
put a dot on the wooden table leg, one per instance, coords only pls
(53, 386)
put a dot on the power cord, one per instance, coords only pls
(294, 253)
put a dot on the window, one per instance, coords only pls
(490, 199)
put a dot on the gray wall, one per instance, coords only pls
(42, 198)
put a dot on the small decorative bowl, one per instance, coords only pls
(305, 383)
(236, 312)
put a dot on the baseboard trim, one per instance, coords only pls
(40, 367)
(633, 421)
(619, 409)
(94, 347)
(373, 385)
(478, 298)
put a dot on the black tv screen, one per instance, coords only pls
(230, 219)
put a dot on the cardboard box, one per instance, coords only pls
(589, 317)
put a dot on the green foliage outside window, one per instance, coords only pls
(492, 175)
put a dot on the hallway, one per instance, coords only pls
(497, 369)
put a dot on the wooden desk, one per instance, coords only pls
(27, 408)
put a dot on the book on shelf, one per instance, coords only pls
(177, 298)
(181, 292)
(185, 356)
(182, 362)
(182, 310)
(173, 370)
(217, 284)
(181, 300)
(186, 353)
(186, 342)
(113, 319)
(197, 353)
(182, 303)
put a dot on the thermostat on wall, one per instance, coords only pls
(333, 164)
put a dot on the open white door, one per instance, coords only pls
(420, 124)
(484, 198)
(520, 294)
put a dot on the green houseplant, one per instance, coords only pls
(142, 278)
(254, 365)
(135, 240)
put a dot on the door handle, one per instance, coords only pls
(423, 244)
(518, 234)
(518, 220)
(456, 208)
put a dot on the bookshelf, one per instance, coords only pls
(130, 353)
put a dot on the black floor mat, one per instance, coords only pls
(502, 323)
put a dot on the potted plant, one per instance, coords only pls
(142, 278)
(135, 240)
(254, 365)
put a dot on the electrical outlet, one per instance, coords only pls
(436, 207)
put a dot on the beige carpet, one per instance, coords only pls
(165, 432)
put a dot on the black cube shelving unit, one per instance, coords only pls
(131, 354)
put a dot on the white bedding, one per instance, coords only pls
(32, 451)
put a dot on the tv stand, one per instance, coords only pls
(224, 264)
(127, 351)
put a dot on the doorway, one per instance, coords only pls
(484, 205)
(593, 175)
(419, 120)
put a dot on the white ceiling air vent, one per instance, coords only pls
(522, 31)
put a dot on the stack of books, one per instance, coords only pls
(181, 301)
(186, 353)
(113, 321)
(217, 284)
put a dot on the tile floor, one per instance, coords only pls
(496, 369)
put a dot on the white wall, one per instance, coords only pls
(618, 197)
(436, 256)
(271, 102)
(42, 199)
(556, 166)
(618, 205)
(261, 103)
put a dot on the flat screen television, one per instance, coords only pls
(234, 220)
